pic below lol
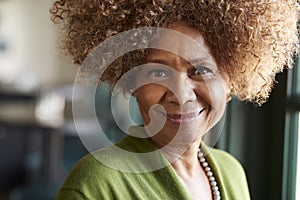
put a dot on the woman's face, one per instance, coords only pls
(184, 94)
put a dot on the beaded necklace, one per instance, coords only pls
(212, 180)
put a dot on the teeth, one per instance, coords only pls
(184, 118)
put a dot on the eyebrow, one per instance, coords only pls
(199, 60)
(192, 62)
(157, 61)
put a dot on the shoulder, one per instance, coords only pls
(88, 171)
(104, 173)
(85, 180)
(221, 160)
(95, 174)
(230, 174)
(225, 160)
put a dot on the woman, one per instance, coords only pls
(181, 88)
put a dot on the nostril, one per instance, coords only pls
(170, 97)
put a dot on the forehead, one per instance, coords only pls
(184, 41)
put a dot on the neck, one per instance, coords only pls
(180, 152)
(187, 164)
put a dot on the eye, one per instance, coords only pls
(158, 73)
(201, 73)
(202, 70)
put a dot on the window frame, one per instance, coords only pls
(291, 135)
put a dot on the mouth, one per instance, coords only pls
(184, 118)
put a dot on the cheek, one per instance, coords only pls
(214, 95)
(212, 92)
(148, 96)
(218, 95)
(218, 99)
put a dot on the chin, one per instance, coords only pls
(187, 134)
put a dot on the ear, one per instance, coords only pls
(228, 97)
(227, 87)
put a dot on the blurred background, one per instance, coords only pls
(39, 143)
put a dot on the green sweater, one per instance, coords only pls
(93, 180)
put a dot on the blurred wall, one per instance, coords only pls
(31, 55)
(30, 61)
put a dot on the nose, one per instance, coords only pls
(181, 90)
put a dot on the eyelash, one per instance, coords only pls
(199, 73)
(205, 70)
(154, 73)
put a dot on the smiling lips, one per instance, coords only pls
(183, 118)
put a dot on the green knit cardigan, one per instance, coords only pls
(91, 179)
